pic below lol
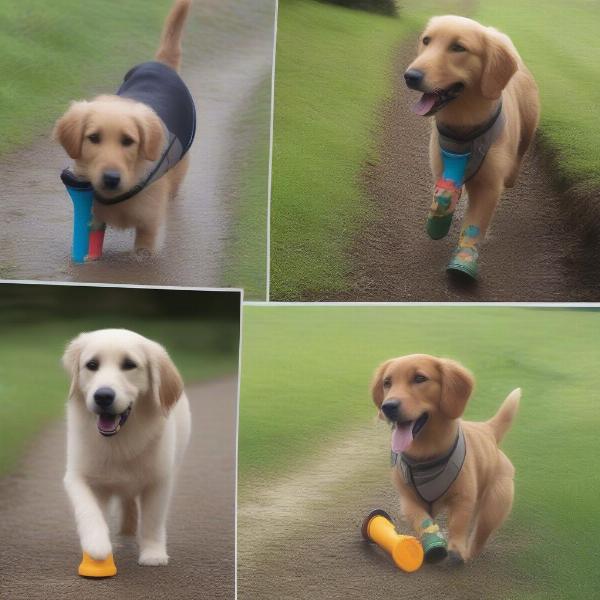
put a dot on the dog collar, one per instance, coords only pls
(160, 87)
(431, 479)
(475, 144)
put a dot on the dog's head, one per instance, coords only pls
(459, 57)
(111, 140)
(116, 372)
(417, 392)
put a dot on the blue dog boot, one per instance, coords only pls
(445, 198)
(466, 256)
(434, 544)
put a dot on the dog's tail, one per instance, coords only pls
(169, 51)
(500, 423)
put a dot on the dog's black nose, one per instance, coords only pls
(111, 180)
(414, 78)
(104, 397)
(391, 409)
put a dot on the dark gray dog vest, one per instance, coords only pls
(431, 479)
(476, 143)
(160, 87)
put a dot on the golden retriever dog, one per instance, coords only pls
(116, 140)
(128, 424)
(485, 101)
(442, 463)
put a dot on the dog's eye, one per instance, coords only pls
(426, 40)
(127, 141)
(94, 138)
(457, 48)
(128, 365)
(387, 382)
(92, 365)
(419, 378)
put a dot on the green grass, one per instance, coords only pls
(33, 385)
(55, 51)
(305, 377)
(559, 42)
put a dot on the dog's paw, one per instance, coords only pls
(97, 545)
(455, 559)
(153, 557)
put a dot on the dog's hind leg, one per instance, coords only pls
(493, 511)
(129, 516)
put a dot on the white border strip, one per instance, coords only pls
(430, 304)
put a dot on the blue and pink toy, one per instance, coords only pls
(88, 234)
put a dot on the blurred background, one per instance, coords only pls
(199, 329)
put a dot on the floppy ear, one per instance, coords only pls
(151, 134)
(70, 361)
(377, 383)
(457, 386)
(501, 62)
(68, 130)
(167, 382)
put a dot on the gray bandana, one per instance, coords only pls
(431, 479)
(476, 143)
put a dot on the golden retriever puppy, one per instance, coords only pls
(128, 424)
(486, 107)
(440, 462)
(132, 146)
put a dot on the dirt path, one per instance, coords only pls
(299, 536)
(223, 64)
(532, 252)
(40, 551)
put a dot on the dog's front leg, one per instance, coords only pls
(147, 238)
(91, 524)
(154, 503)
(460, 517)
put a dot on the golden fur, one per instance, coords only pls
(481, 497)
(114, 134)
(490, 68)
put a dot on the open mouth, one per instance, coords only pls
(404, 433)
(431, 102)
(109, 424)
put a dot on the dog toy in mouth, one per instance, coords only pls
(405, 550)
(446, 193)
(434, 544)
(88, 235)
(90, 567)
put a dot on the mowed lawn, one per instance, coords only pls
(305, 379)
(34, 387)
(559, 42)
(53, 52)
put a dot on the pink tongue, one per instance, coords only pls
(402, 437)
(424, 105)
(107, 422)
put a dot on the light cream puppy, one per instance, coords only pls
(128, 424)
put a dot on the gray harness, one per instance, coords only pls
(431, 479)
(477, 143)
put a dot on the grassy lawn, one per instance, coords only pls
(55, 51)
(305, 378)
(561, 47)
(33, 385)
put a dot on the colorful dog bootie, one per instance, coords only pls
(446, 193)
(434, 544)
(466, 256)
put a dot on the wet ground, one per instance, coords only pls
(299, 536)
(40, 549)
(532, 252)
(227, 61)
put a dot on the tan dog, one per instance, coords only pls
(464, 70)
(113, 141)
(423, 397)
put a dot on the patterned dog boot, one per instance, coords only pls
(466, 256)
(445, 198)
(434, 544)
